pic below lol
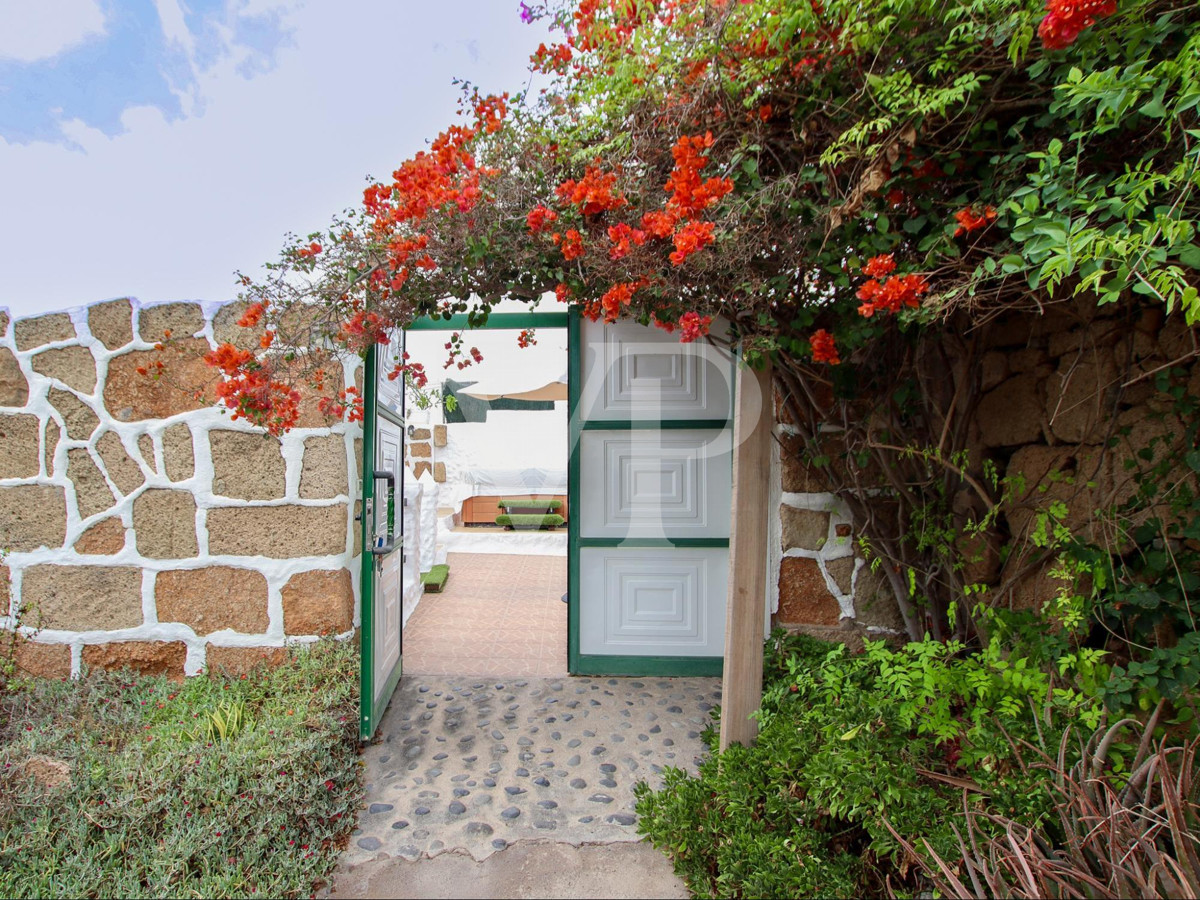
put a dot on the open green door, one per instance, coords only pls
(382, 522)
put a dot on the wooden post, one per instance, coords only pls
(741, 685)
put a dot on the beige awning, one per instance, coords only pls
(487, 390)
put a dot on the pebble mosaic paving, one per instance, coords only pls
(472, 765)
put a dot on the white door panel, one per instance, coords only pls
(389, 590)
(631, 371)
(656, 483)
(653, 602)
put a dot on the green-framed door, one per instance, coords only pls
(650, 477)
(382, 577)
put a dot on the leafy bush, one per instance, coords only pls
(215, 787)
(530, 503)
(1131, 834)
(852, 747)
(530, 521)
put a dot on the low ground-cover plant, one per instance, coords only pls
(530, 521)
(528, 503)
(851, 747)
(213, 787)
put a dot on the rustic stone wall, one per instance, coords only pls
(1066, 398)
(142, 525)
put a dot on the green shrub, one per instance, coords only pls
(848, 744)
(529, 521)
(215, 787)
(527, 503)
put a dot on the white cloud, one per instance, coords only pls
(31, 34)
(168, 208)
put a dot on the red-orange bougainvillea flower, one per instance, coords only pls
(562, 293)
(968, 220)
(526, 338)
(594, 193)
(689, 239)
(897, 292)
(659, 225)
(622, 236)
(879, 266)
(571, 244)
(693, 326)
(254, 312)
(539, 218)
(1065, 19)
(824, 350)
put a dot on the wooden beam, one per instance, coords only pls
(745, 613)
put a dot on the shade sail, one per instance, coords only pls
(489, 390)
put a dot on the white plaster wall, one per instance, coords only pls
(276, 571)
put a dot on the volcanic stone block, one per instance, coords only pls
(83, 598)
(1078, 396)
(440, 437)
(1013, 413)
(320, 602)
(247, 466)
(92, 492)
(804, 529)
(875, 602)
(103, 539)
(420, 450)
(164, 524)
(53, 433)
(73, 366)
(14, 389)
(180, 319)
(19, 446)
(78, 417)
(323, 475)
(41, 330)
(111, 323)
(187, 382)
(804, 597)
(143, 657)
(178, 457)
(279, 532)
(43, 660)
(213, 598)
(32, 516)
(146, 449)
(842, 573)
(124, 472)
(227, 331)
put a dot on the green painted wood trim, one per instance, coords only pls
(494, 321)
(647, 666)
(574, 383)
(667, 543)
(656, 424)
(391, 415)
(367, 716)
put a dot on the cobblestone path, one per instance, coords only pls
(471, 765)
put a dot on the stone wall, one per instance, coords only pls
(1066, 398)
(143, 526)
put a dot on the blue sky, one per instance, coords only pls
(151, 147)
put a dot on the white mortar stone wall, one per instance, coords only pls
(55, 467)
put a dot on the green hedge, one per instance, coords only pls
(527, 503)
(435, 579)
(530, 522)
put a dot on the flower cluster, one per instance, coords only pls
(252, 393)
(622, 237)
(891, 295)
(571, 243)
(692, 326)
(310, 251)
(690, 238)
(1065, 19)
(969, 220)
(540, 218)
(824, 350)
(526, 338)
(593, 193)
(362, 330)
(689, 195)
(348, 405)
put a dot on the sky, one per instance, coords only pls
(150, 148)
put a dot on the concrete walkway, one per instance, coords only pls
(542, 769)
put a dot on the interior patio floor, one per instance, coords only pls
(499, 614)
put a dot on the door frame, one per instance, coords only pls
(370, 711)
(601, 664)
